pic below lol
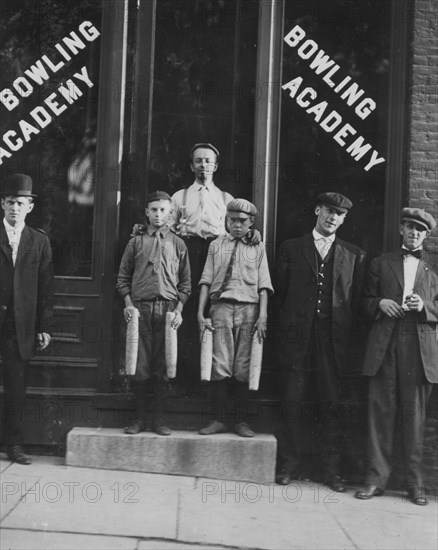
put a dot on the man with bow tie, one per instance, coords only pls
(318, 287)
(401, 358)
(25, 303)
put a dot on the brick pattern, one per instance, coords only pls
(423, 166)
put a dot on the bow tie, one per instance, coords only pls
(415, 253)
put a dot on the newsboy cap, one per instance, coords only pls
(420, 216)
(204, 146)
(17, 185)
(242, 205)
(340, 202)
(158, 196)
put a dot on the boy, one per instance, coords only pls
(154, 277)
(236, 279)
(401, 358)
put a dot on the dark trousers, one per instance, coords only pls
(317, 383)
(188, 334)
(398, 393)
(14, 385)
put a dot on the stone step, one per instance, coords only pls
(221, 456)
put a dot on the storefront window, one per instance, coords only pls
(354, 39)
(49, 61)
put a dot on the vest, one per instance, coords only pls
(325, 284)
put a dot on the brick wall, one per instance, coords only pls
(423, 166)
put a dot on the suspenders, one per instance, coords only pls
(183, 207)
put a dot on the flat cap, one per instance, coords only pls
(420, 216)
(204, 146)
(158, 196)
(17, 185)
(242, 205)
(341, 202)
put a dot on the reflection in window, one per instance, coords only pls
(60, 157)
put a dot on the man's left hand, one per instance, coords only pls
(414, 302)
(260, 328)
(177, 320)
(43, 340)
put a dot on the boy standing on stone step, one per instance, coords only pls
(154, 277)
(237, 281)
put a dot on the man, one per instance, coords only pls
(401, 358)
(25, 303)
(318, 284)
(198, 217)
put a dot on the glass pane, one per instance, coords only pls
(49, 59)
(204, 90)
(356, 36)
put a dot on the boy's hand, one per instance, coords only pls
(128, 313)
(260, 328)
(391, 309)
(254, 237)
(414, 302)
(138, 229)
(204, 324)
(177, 320)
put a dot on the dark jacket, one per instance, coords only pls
(28, 287)
(386, 280)
(296, 288)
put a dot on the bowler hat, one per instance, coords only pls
(204, 146)
(242, 205)
(158, 196)
(340, 202)
(17, 185)
(419, 216)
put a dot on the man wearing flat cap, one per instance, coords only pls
(318, 287)
(25, 303)
(401, 358)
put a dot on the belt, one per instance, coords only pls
(191, 237)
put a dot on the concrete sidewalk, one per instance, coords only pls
(52, 506)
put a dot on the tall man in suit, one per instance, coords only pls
(25, 303)
(318, 284)
(401, 358)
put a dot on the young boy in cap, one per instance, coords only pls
(401, 358)
(237, 281)
(154, 277)
(318, 288)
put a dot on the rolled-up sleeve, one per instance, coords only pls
(264, 275)
(184, 286)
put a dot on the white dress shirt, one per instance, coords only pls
(410, 266)
(14, 236)
(323, 243)
(200, 210)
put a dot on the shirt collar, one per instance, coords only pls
(17, 229)
(197, 186)
(163, 230)
(414, 250)
(317, 236)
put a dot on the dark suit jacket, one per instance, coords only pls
(385, 280)
(32, 284)
(296, 289)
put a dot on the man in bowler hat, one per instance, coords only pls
(401, 357)
(25, 303)
(318, 284)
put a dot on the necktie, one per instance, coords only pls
(13, 243)
(323, 246)
(415, 253)
(229, 269)
(155, 257)
(201, 197)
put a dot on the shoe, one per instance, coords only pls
(16, 454)
(418, 497)
(161, 429)
(135, 428)
(368, 492)
(284, 477)
(215, 427)
(242, 429)
(337, 484)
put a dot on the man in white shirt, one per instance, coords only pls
(318, 286)
(26, 289)
(401, 358)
